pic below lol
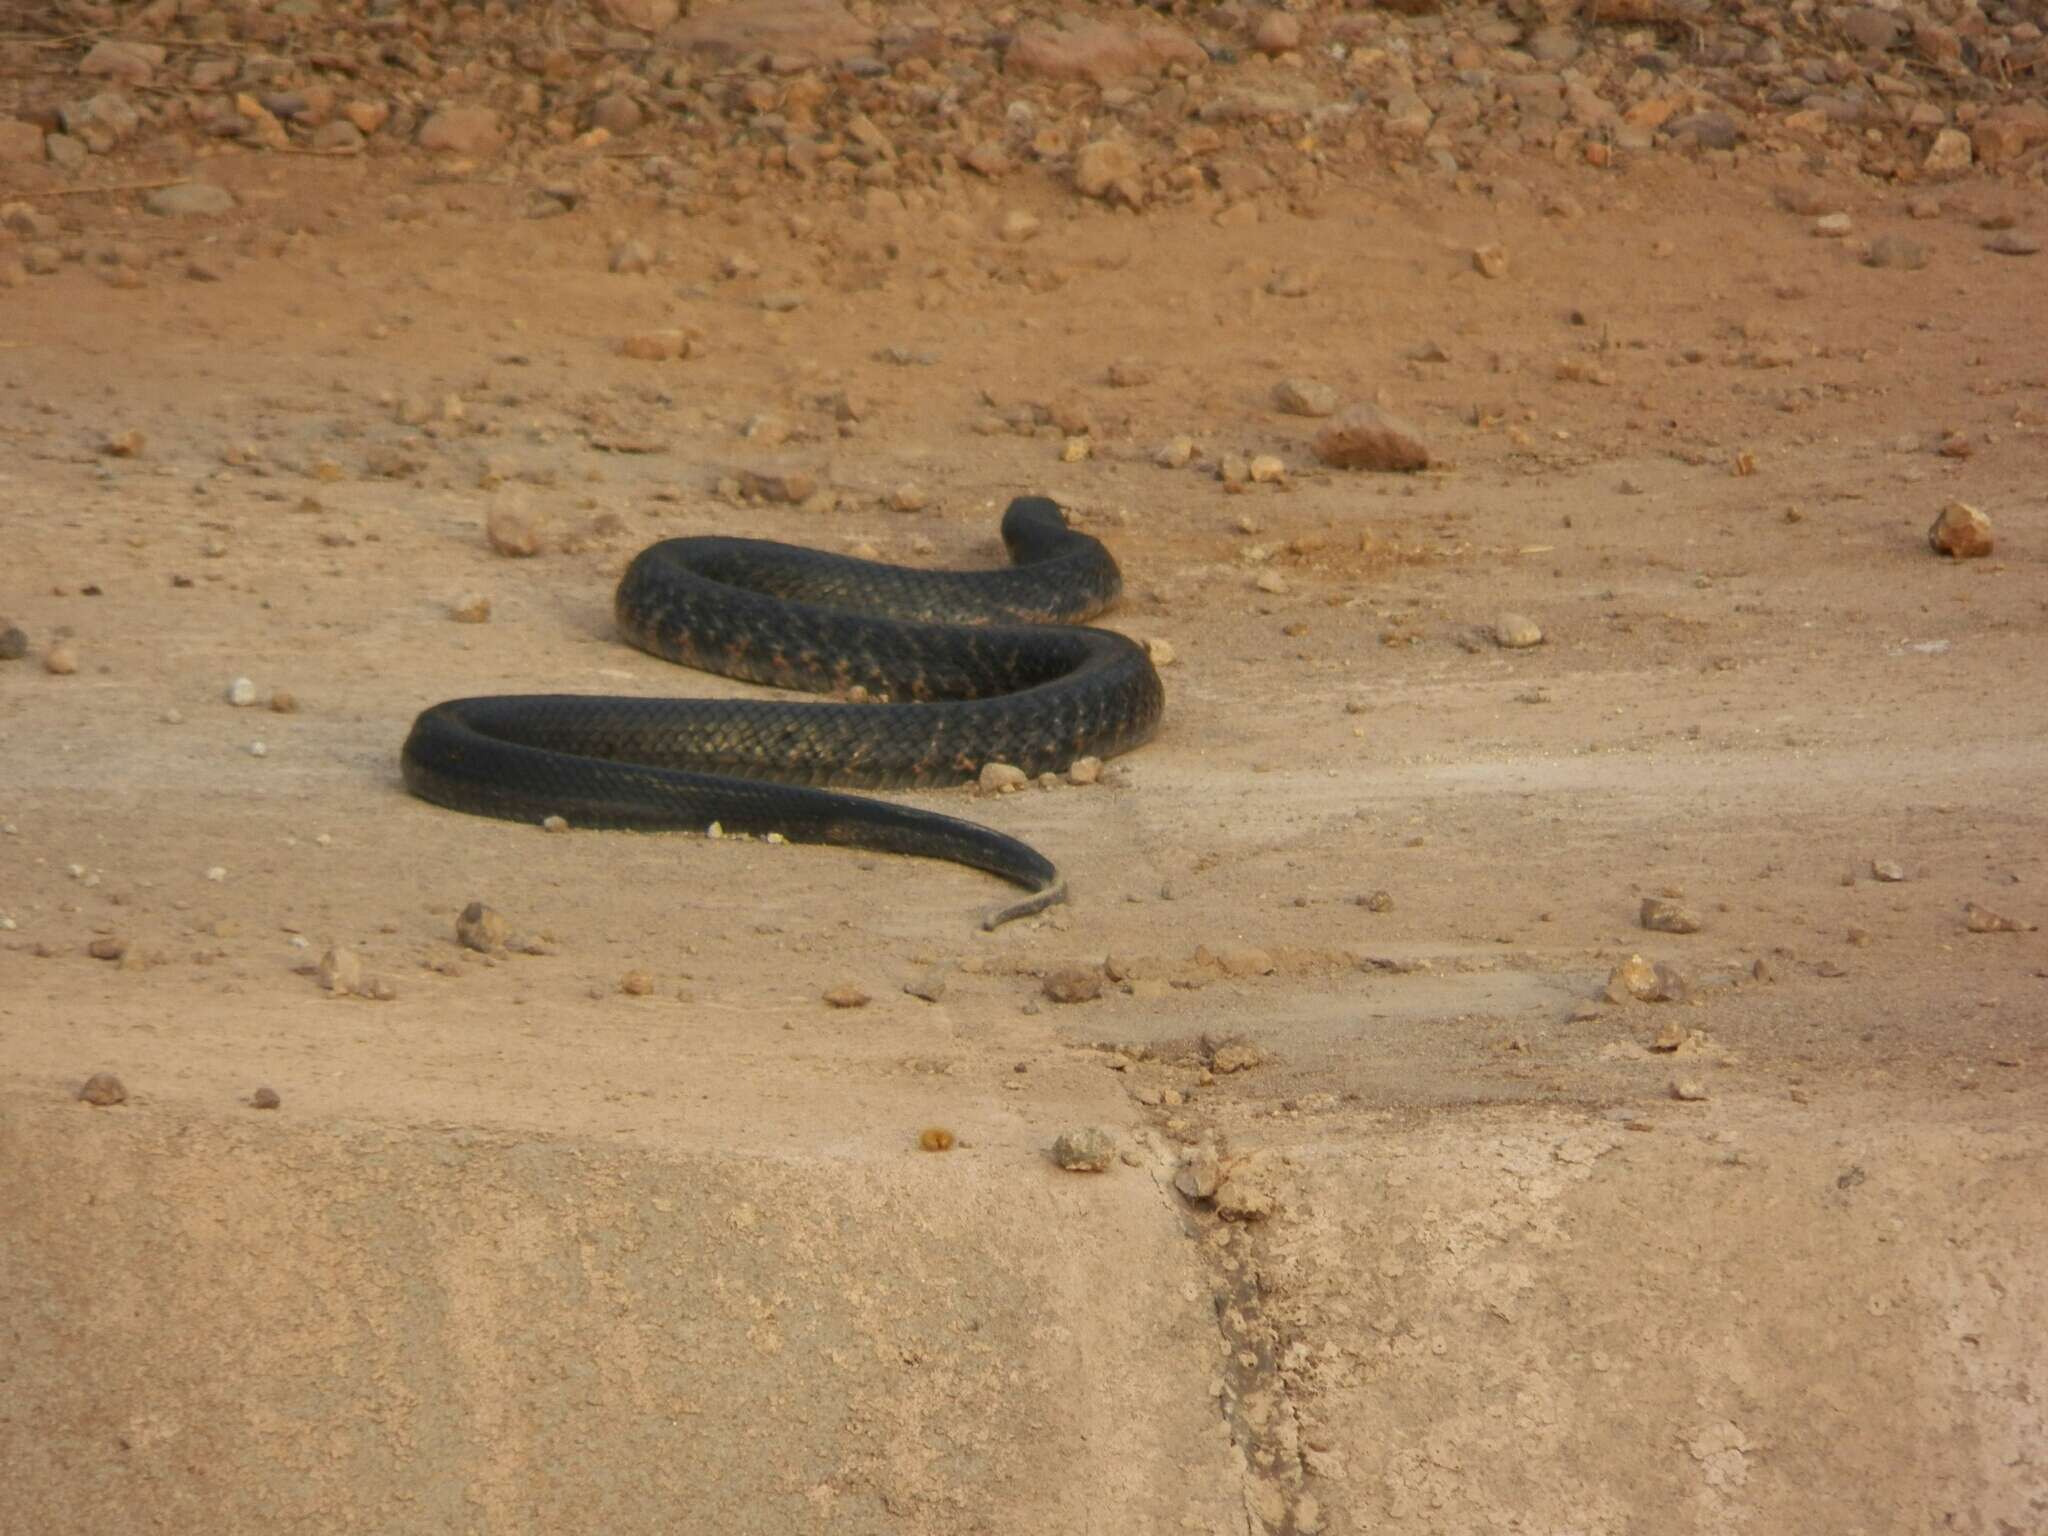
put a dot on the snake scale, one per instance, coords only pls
(969, 667)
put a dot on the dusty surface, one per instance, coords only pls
(523, 1249)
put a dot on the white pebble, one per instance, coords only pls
(296, 941)
(6, 923)
(714, 830)
(324, 840)
(75, 871)
(241, 693)
(217, 874)
(776, 837)
(257, 749)
(172, 717)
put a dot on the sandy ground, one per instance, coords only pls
(520, 1250)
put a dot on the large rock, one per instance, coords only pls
(819, 29)
(1366, 437)
(1099, 51)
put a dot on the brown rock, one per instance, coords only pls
(1277, 32)
(341, 972)
(1199, 1174)
(656, 346)
(513, 532)
(1247, 1191)
(617, 113)
(846, 995)
(480, 928)
(1634, 977)
(1089, 1149)
(1305, 397)
(124, 63)
(1983, 920)
(1662, 915)
(1099, 52)
(1235, 1056)
(1073, 984)
(103, 1089)
(463, 131)
(264, 1098)
(1110, 168)
(820, 30)
(107, 947)
(1960, 531)
(1365, 437)
(2005, 133)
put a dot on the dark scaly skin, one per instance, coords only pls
(978, 666)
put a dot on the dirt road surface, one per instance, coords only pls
(1417, 1217)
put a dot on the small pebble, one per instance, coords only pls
(103, 1089)
(1084, 770)
(1662, 915)
(480, 928)
(241, 693)
(264, 1098)
(61, 659)
(1160, 652)
(1978, 919)
(13, 643)
(936, 1138)
(283, 702)
(341, 972)
(656, 346)
(908, 497)
(1235, 1056)
(470, 608)
(1491, 260)
(513, 532)
(1688, 1090)
(2012, 243)
(632, 256)
(126, 445)
(1887, 870)
(1174, 453)
(107, 948)
(1089, 1149)
(847, 995)
(1305, 397)
(1267, 469)
(1516, 632)
(1961, 532)
(998, 777)
(1832, 226)
(636, 983)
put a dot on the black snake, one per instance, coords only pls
(976, 666)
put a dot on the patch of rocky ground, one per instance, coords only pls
(1136, 105)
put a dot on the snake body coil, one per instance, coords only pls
(976, 666)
